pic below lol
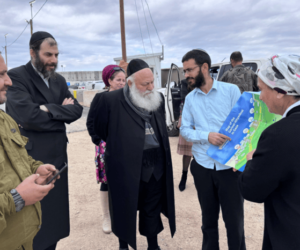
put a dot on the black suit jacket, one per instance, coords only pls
(273, 177)
(124, 133)
(47, 139)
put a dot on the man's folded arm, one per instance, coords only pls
(187, 127)
(27, 113)
(7, 207)
(65, 113)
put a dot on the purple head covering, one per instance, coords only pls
(108, 71)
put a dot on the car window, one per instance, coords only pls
(214, 72)
(252, 66)
(226, 67)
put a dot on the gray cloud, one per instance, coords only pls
(88, 31)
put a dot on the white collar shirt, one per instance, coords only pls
(291, 107)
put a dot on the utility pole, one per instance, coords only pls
(123, 38)
(31, 24)
(5, 50)
(31, 28)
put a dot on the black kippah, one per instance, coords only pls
(39, 35)
(136, 65)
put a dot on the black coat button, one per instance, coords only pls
(13, 130)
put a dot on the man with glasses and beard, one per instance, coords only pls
(205, 110)
(40, 102)
(138, 162)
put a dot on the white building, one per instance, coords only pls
(154, 62)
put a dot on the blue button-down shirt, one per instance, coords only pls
(207, 113)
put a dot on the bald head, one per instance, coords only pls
(5, 81)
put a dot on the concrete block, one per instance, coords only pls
(77, 94)
(88, 96)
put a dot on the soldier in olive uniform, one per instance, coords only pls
(244, 77)
(22, 181)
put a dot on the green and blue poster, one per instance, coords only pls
(245, 123)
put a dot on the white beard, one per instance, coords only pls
(149, 102)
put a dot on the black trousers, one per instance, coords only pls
(150, 206)
(52, 247)
(219, 189)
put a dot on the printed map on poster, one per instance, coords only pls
(244, 125)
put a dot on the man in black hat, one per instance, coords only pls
(41, 104)
(138, 161)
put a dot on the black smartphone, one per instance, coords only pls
(58, 173)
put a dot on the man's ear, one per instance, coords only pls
(204, 69)
(279, 95)
(129, 83)
(32, 54)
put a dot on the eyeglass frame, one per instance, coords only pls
(190, 70)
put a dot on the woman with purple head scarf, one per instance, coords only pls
(114, 79)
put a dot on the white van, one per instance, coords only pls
(172, 90)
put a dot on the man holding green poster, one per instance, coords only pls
(272, 173)
(204, 112)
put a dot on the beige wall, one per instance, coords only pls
(81, 76)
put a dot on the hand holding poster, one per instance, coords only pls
(245, 123)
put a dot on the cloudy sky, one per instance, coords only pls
(88, 31)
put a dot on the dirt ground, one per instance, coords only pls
(86, 216)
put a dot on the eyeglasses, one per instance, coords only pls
(187, 71)
(118, 69)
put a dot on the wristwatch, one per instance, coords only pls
(19, 202)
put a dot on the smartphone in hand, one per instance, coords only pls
(58, 173)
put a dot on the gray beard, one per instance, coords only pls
(150, 102)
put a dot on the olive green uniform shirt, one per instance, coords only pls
(17, 230)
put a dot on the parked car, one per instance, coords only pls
(74, 86)
(99, 85)
(89, 85)
(82, 85)
(172, 90)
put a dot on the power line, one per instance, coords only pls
(26, 25)
(147, 27)
(153, 22)
(19, 35)
(140, 26)
(40, 9)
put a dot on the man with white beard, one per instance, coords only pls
(138, 161)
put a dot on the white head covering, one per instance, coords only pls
(282, 73)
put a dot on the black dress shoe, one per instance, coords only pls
(124, 248)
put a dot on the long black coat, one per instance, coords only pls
(90, 120)
(124, 133)
(273, 177)
(47, 140)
